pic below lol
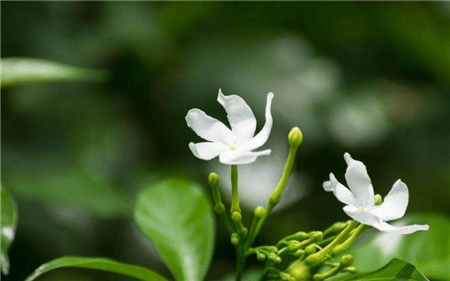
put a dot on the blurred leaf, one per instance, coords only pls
(177, 218)
(394, 270)
(428, 250)
(8, 227)
(25, 70)
(137, 272)
(249, 275)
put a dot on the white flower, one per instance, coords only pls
(233, 146)
(361, 200)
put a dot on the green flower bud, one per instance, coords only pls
(272, 256)
(295, 137)
(219, 208)
(294, 245)
(300, 271)
(316, 236)
(213, 179)
(277, 260)
(260, 256)
(378, 199)
(311, 249)
(351, 269)
(236, 217)
(260, 212)
(234, 239)
(346, 260)
(337, 227)
(285, 276)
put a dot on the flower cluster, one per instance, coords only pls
(235, 147)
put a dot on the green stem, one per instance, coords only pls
(276, 195)
(234, 190)
(240, 259)
(350, 240)
(322, 253)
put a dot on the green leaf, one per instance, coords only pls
(26, 70)
(428, 250)
(8, 227)
(397, 270)
(108, 265)
(177, 218)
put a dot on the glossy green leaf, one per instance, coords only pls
(108, 265)
(177, 218)
(26, 70)
(428, 250)
(397, 270)
(8, 227)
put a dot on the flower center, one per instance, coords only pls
(362, 209)
(232, 147)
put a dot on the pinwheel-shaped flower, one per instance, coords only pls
(234, 146)
(361, 200)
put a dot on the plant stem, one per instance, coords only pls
(275, 197)
(234, 190)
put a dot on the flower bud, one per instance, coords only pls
(316, 236)
(351, 269)
(234, 239)
(294, 245)
(219, 208)
(300, 236)
(213, 179)
(378, 199)
(295, 137)
(311, 249)
(272, 256)
(285, 276)
(236, 217)
(277, 260)
(346, 260)
(260, 212)
(260, 256)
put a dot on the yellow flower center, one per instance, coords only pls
(232, 147)
(362, 209)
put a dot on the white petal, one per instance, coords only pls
(263, 135)
(395, 204)
(341, 192)
(364, 217)
(207, 150)
(359, 182)
(240, 116)
(209, 128)
(407, 229)
(236, 157)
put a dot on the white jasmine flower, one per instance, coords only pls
(360, 199)
(233, 146)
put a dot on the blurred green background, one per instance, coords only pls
(371, 79)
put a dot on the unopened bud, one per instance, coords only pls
(346, 260)
(213, 179)
(285, 276)
(277, 260)
(378, 199)
(294, 245)
(295, 137)
(272, 256)
(260, 212)
(300, 236)
(311, 249)
(351, 269)
(236, 217)
(316, 236)
(260, 256)
(337, 227)
(234, 239)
